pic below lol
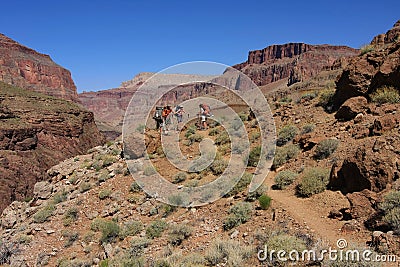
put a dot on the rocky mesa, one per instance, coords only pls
(295, 62)
(24, 67)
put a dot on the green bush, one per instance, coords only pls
(243, 116)
(326, 99)
(155, 229)
(222, 139)
(254, 136)
(105, 193)
(70, 216)
(70, 237)
(238, 214)
(228, 251)
(325, 148)
(178, 233)
(254, 156)
(308, 128)
(265, 201)
(44, 214)
(190, 130)
(309, 96)
(214, 131)
(391, 207)
(130, 228)
(135, 188)
(283, 154)
(179, 177)
(253, 196)
(386, 94)
(109, 229)
(137, 247)
(60, 197)
(85, 186)
(195, 138)
(314, 181)
(366, 49)
(218, 166)
(179, 199)
(285, 242)
(284, 178)
(286, 134)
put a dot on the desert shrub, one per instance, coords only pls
(253, 196)
(103, 176)
(222, 139)
(286, 242)
(237, 147)
(134, 188)
(325, 148)
(218, 166)
(60, 197)
(229, 251)
(254, 136)
(178, 233)
(105, 193)
(264, 201)
(286, 134)
(386, 94)
(190, 130)
(109, 229)
(138, 245)
(44, 214)
(236, 124)
(309, 96)
(214, 131)
(366, 49)
(7, 249)
(238, 214)
(284, 178)
(326, 99)
(23, 239)
(155, 229)
(195, 138)
(70, 216)
(285, 99)
(130, 228)
(70, 236)
(254, 156)
(314, 181)
(391, 207)
(308, 128)
(149, 170)
(240, 185)
(243, 116)
(179, 177)
(283, 154)
(85, 186)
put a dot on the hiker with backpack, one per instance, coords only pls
(166, 118)
(179, 115)
(158, 117)
(205, 112)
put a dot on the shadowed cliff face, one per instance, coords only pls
(28, 69)
(295, 62)
(37, 132)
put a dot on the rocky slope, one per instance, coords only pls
(28, 69)
(377, 65)
(37, 132)
(293, 62)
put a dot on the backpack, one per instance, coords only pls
(158, 113)
(207, 110)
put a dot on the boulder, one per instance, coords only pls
(351, 108)
(362, 204)
(42, 190)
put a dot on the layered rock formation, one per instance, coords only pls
(377, 65)
(293, 61)
(28, 69)
(37, 132)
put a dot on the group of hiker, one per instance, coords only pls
(163, 116)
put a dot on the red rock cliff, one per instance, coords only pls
(293, 61)
(28, 69)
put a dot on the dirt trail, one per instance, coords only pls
(304, 212)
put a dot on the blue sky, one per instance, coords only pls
(104, 43)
